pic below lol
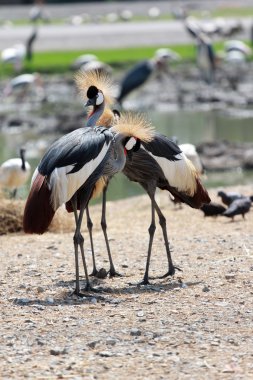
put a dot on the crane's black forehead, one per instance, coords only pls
(91, 92)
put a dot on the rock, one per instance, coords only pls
(58, 351)
(135, 332)
(105, 354)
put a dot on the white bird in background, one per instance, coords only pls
(191, 153)
(16, 54)
(25, 84)
(14, 173)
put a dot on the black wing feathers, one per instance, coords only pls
(76, 148)
(162, 146)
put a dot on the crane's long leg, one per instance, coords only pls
(151, 231)
(162, 221)
(90, 226)
(78, 241)
(112, 270)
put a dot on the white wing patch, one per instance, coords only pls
(65, 185)
(180, 174)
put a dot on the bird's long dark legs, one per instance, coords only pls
(162, 221)
(112, 270)
(151, 231)
(78, 241)
(89, 226)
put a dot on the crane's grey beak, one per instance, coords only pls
(90, 102)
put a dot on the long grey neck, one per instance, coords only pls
(97, 112)
(22, 156)
(117, 157)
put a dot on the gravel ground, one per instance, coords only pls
(197, 325)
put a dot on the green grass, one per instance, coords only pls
(60, 62)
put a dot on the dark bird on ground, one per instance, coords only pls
(228, 198)
(69, 172)
(14, 173)
(238, 207)
(212, 209)
(143, 70)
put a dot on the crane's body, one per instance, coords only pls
(161, 164)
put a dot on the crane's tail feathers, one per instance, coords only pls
(135, 125)
(196, 200)
(95, 78)
(185, 185)
(38, 212)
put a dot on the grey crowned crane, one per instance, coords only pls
(14, 173)
(160, 163)
(87, 83)
(69, 172)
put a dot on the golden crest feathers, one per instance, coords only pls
(102, 81)
(135, 125)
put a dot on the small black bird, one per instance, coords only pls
(212, 209)
(238, 207)
(228, 198)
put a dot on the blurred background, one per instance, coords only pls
(187, 64)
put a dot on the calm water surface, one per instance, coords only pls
(188, 125)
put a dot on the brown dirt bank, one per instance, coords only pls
(197, 325)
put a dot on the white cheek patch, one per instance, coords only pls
(100, 99)
(130, 144)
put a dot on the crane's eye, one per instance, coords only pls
(100, 98)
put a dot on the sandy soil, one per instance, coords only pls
(197, 325)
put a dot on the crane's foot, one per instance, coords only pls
(94, 272)
(113, 273)
(89, 288)
(145, 281)
(170, 272)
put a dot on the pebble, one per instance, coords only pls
(49, 300)
(230, 276)
(40, 289)
(23, 301)
(205, 289)
(135, 332)
(105, 354)
(58, 351)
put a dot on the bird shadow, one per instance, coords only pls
(103, 294)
